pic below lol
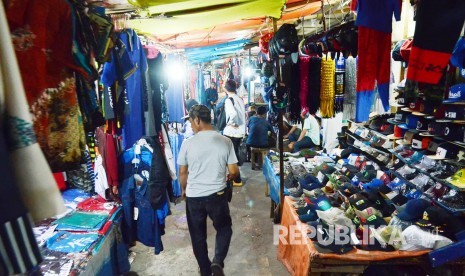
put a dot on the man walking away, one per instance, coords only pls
(235, 121)
(206, 161)
(212, 96)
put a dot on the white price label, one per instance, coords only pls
(136, 213)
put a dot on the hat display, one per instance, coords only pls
(434, 129)
(458, 54)
(334, 216)
(458, 179)
(411, 122)
(399, 117)
(454, 132)
(456, 94)
(414, 209)
(418, 239)
(408, 137)
(420, 142)
(454, 112)
(445, 151)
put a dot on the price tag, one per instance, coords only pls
(136, 213)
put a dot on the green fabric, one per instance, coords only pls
(189, 15)
(81, 220)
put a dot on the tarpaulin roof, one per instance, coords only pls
(179, 16)
(209, 53)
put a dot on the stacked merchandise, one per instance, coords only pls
(357, 193)
(69, 243)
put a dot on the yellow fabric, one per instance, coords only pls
(185, 18)
(327, 87)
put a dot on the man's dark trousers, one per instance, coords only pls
(216, 207)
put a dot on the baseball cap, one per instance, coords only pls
(414, 106)
(398, 133)
(456, 94)
(454, 112)
(418, 239)
(445, 151)
(454, 132)
(369, 211)
(399, 117)
(329, 240)
(420, 142)
(411, 122)
(422, 124)
(434, 129)
(373, 184)
(334, 216)
(323, 203)
(458, 54)
(405, 49)
(395, 54)
(359, 202)
(408, 137)
(458, 179)
(391, 234)
(413, 209)
(387, 129)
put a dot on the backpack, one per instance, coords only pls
(221, 114)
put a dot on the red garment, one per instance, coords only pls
(373, 67)
(304, 66)
(60, 180)
(43, 44)
(95, 203)
(108, 151)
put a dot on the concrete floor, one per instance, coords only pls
(252, 251)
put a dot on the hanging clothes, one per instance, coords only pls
(294, 106)
(304, 64)
(47, 73)
(41, 196)
(314, 84)
(350, 84)
(200, 87)
(340, 73)
(327, 87)
(175, 96)
(156, 79)
(438, 26)
(373, 67)
(142, 169)
(374, 21)
(176, 140)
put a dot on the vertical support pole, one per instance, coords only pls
(248, 80)
(280, 136)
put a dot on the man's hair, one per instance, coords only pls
(261, 110)
(202, 112)
(230, 85)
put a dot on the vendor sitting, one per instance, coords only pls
(259, 129)
(309, 136)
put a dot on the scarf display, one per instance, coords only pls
(313, 97)
(294, 105)
(327, 91)
(339, 98)
(304, 64)
(350, 84)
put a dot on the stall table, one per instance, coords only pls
(272, 184)
(302, 258)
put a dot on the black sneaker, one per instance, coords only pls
(217, 269)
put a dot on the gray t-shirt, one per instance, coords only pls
(207, 155)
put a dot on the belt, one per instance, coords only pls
(217, 194)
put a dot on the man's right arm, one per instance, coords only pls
(183, 172)
(233, 170)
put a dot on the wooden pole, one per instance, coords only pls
(280, 137)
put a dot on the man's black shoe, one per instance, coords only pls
(217, 269)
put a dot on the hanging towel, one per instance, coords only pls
(340, 72)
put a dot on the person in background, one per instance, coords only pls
(259, 129)
(310, 134)
(235, 121)
(203, 177)
(212, 96)
(186, 127)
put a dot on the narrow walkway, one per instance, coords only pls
(252, 251)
